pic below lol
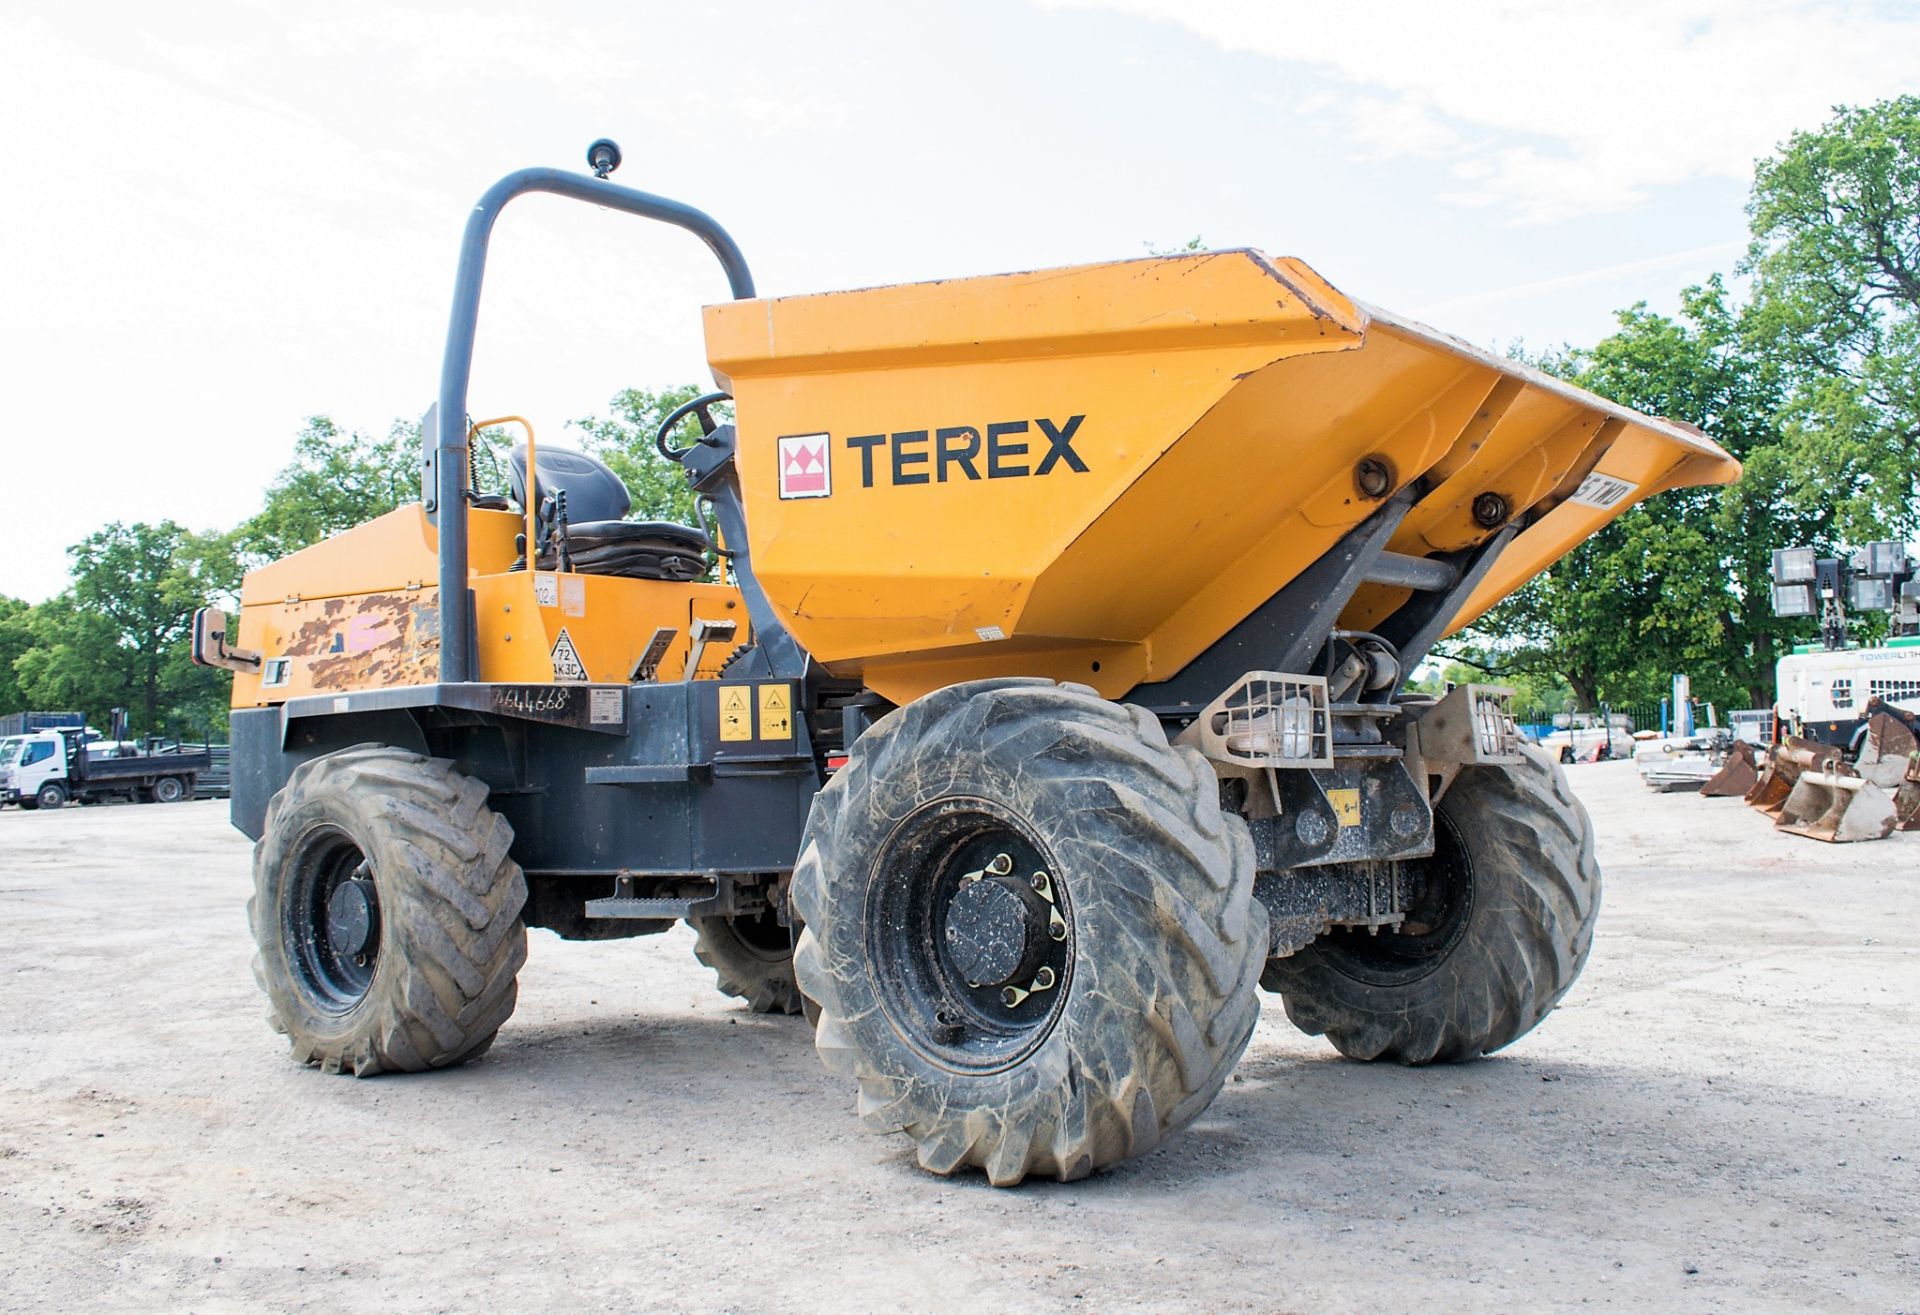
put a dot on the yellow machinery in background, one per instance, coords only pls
(1035, 690)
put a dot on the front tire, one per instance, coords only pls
(386, 912)
(51, 795)
(1029, 930)
(1504, 928)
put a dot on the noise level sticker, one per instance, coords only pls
(566, 659)
(1346, 806)
(776, 712)
(736, 713)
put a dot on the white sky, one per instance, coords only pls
(219, 218)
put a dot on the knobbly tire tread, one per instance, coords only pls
(1169, 941)
(766, 984)
(452, 942)
(1536, 899)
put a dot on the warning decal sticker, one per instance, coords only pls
(1346, 806)
(1602, 491)
(736, 713)
(804, 470)
(566, 659)
(776, 712)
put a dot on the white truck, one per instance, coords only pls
(1577, 735)
(48, 768)
(1823, 694)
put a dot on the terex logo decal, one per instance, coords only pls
(1006, 450)
(805, 471)
(922, 456)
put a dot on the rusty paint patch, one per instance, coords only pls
(374, 641)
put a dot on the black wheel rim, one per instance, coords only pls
(1437, 918)
(919, 901)
(763, 936)
(333, 920)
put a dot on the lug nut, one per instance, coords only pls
(1001, 865)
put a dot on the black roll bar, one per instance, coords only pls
(450, 446)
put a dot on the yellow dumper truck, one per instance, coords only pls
(1031, 697)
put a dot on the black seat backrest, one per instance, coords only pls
(594, 492)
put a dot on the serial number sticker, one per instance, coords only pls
(1602, 491)
(736, 713)
(988, 634)
(546, 589)
(1346, 806)
(573, 595)
(776, 712)
(606, 707)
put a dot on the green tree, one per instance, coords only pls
(1835, 260)
(337, 479)
(117, 637)
(16, 637)
(1680, 583)
(624, 440)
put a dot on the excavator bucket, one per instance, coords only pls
(1890, 758)
(1838, 806)
(1785, 764)
(1736, 776)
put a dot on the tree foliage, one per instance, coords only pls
(1810, 382)
(336, 480)
(1835, 260)
(118, 636)
(624, 440)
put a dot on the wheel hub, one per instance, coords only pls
(350, 917)
(996, 927)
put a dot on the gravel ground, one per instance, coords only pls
(1723, 1114)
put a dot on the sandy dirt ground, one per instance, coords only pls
(1723, 1114)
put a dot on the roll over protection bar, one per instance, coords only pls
(450, 442)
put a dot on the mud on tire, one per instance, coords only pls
(752, 960)
(386, 913)
(1158, 938)
(1503, 948)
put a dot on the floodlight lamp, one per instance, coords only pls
(1793, 600)
(1793, 565)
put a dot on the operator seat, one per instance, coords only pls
(599, 539)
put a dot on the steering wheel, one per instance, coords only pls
(701, 406)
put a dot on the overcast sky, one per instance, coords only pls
(220, 218)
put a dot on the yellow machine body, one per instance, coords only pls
(361, 611)
(1090, 474)
(1219, 405)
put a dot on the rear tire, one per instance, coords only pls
(752, 959)
(1506, 933)
(1106, 850)
(386, 912)
(168, 790)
